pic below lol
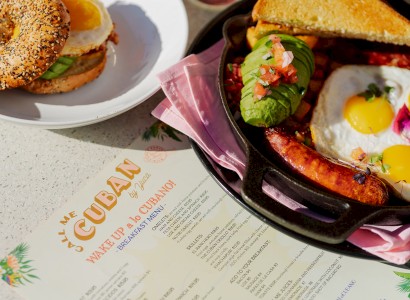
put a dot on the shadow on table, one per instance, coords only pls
(122, 130)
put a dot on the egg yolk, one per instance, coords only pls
(84, 14)
(368, 116)
(397, 160)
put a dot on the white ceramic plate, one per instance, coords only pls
(153, 36)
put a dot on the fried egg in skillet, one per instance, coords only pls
(349, 118)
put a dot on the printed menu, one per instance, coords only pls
(153, 224)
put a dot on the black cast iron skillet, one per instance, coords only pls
(349, 215)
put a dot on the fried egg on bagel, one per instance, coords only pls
(91, 25)
(83, 57)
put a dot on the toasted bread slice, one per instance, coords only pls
(86, 68)
(372, 20)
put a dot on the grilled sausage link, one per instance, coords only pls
(338, 178)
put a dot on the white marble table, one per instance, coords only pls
(41, 169)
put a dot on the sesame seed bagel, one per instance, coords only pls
(35, 34)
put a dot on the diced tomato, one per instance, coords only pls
(273, 75)
(269, 74)
(263, 69)
(293, 79)
(232, 86)
(358, 154)
(260, 91)
(233, 71)
(290, 75)
(233, 83)
(274, 38)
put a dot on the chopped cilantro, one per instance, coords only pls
(376, 158)
(374, 91)
(385, 168)
(369, 96)
(388, 89)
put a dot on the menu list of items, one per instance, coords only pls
(154, 225)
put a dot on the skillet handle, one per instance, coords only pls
(350, 215)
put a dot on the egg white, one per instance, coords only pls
(81, 42)
(333, 135)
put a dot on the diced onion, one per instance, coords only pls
(287, 58)
(267, 56)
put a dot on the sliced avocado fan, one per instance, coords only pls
(282, 100)
(61, 65)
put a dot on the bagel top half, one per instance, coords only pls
(32, 34)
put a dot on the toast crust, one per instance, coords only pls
(372, 20)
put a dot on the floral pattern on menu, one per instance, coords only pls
(404, 285)
(161, 130)
(16, 269)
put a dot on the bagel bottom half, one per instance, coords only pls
(84, 70)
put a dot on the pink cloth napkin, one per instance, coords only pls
(193, 107)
